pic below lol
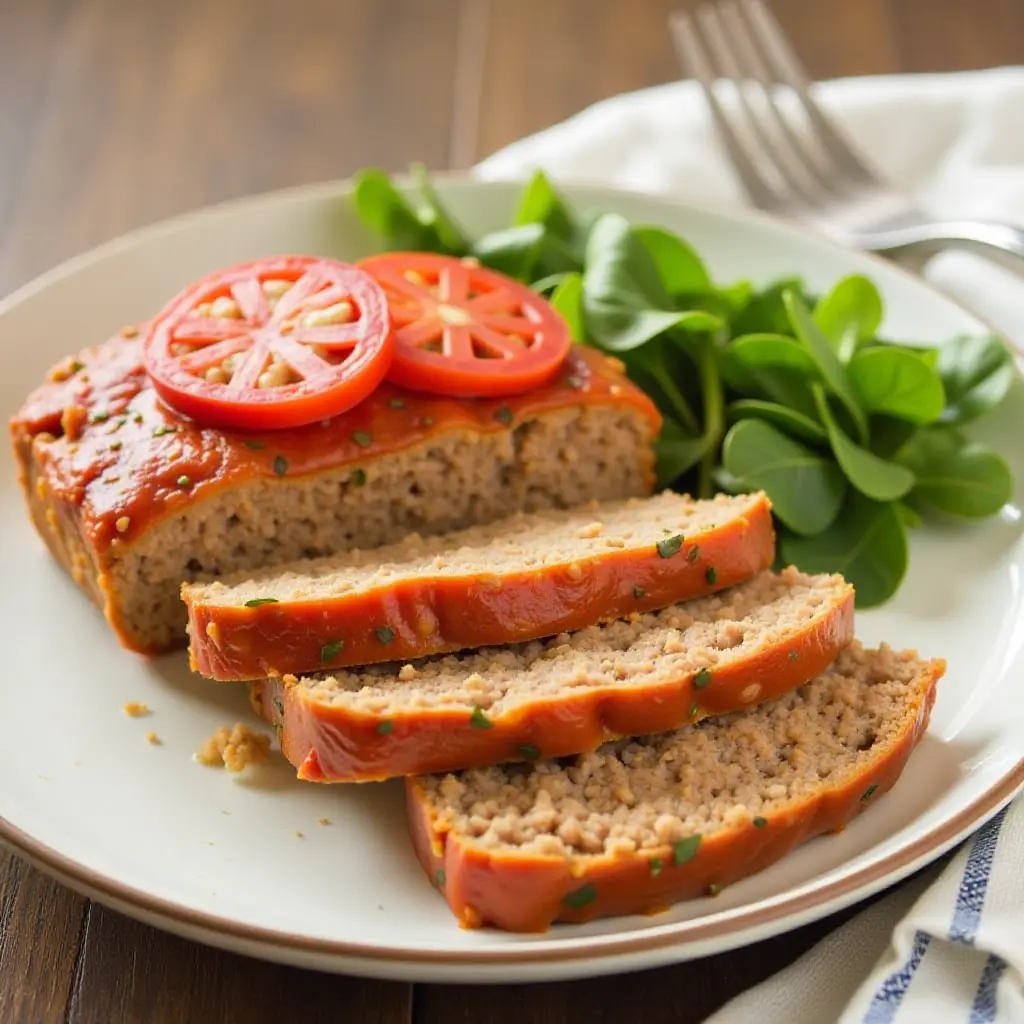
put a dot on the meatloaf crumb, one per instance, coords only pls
(235, 748)
(135, 709)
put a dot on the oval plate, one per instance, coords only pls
(243, 862)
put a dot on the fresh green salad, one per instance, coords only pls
(854, 436)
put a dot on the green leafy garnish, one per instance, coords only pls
(385, 728)
(331, 650)
(684, 850)
(760, 822)
(385, 634)
(159, 431)
(478, 720)
(529, 751)
(256, 446)
(711, 575)
(184, 482)
(358, 477)
(869, 792)
(655, 865)
(363, 438)
(503, 414)
(669, 546)
(580, 897)
(279, 705)
(440, 877)
(702, 678)
(255, 602)
(280, 465)
(639, 593)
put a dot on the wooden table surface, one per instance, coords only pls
(114, 113)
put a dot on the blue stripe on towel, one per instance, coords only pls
(983, 1009)
(888, 998)
(974, 884)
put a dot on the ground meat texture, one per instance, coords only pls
(134, 499)
(565, 694)
(641, 823)
(519, 578)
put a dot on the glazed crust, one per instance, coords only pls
(527, 893)
(335, 744)
(433, 615)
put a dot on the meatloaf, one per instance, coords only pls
(519, 578)
(642, 823)
(134, 499)
(650, 673)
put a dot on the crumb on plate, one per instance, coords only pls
(153, 739)
(136, 709)
(323, 821)
(234, 748)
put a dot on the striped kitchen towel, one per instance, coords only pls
(948, 946)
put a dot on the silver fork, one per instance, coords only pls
(793, 161)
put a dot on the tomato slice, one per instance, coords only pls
(466, 331)
(274, 343)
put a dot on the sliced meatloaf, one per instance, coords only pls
(135, 499)
(519, 578)
(650, 673)
(643, 823)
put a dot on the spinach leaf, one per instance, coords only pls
(434, 215)
(877, 478)
(567, 299)
(955, 476)
(541, 204)
(977, 372)
(786, 419)
(680, 269)
(867, 544)
(889, 435)
(765, 311)
(655, 368)
(387, 212)
(849, 314)
(678, 451)
(524, 252)
(625, 304)
(833, 371)
(545, 285)
(897, 382)
(806, 489)
(756, 351)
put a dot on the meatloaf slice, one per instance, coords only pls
(643, 823)
(135, 499)
(516, 579)
(650, 673)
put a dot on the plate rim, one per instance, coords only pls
(783, 912)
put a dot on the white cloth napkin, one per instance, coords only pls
(949, 945)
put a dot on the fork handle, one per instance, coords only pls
(1002, 243)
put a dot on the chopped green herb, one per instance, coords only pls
(714, 890)
(255, 602)
(161, 430)
(75, 366)
(702, 678)
(684, 850)
(279, 705)
(427, 421)
(656, 866)
(694, 710)
(137, 417)
(711, 575)
(385, 634)
(478, 720)
(573, 381)
(385, 728)
(256, 446)
(504, 415)
(358, 477)
(869, 792)
(99, 417)
(115, 446)
(670, 546)
(693, 554)
(363, 438)
(397, 403)
(118, 423)
(529, 751)
(639, 593)
(280, 465)
(760, 822)
(440, 878)
(580, 897)
(184, 482)
(331, 650)
(794, 655)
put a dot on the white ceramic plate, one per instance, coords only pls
(216, 858)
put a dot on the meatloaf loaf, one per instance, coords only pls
(651, 673)
(519, 578)
(134, 499)
(642, 823)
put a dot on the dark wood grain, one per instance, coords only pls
(114, 113)
(130, 972)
